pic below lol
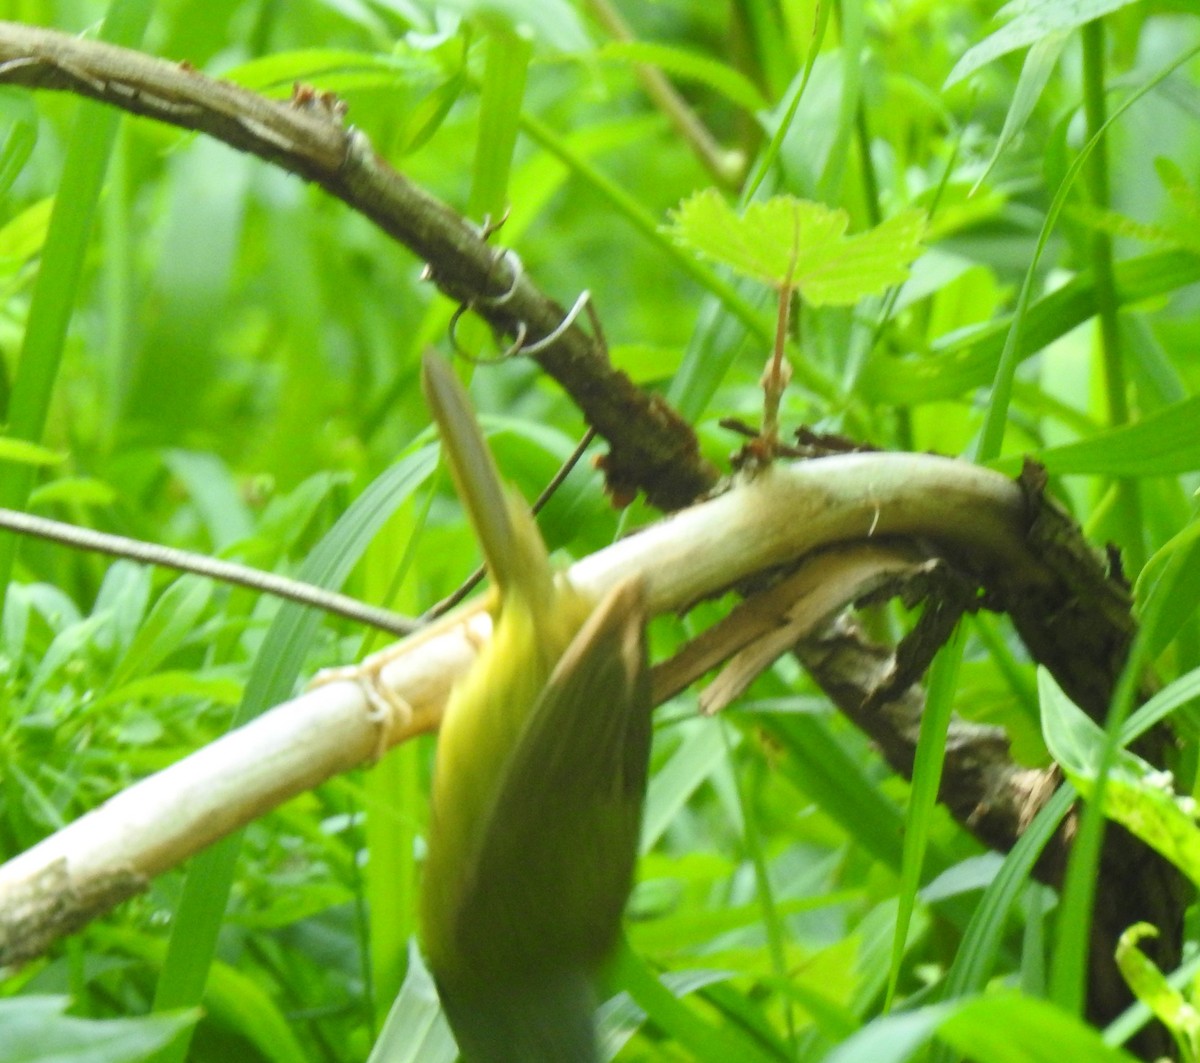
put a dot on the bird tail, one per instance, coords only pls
(550, 1023)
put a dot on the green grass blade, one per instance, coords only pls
(772, 923)
(976, 957)
(922, 802)
(1163, 444)
(996, 416)
(821, 767)
(506, 64)
(960, 364)
(1068, 975)
(61, 265)
(1010, 1026)
(648, 225)
(210, 877)
(704, 1041)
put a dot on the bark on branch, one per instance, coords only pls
(851, 523)
(651, 448)
(787, 514)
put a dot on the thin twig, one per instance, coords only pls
(200, 565)
(474, 579)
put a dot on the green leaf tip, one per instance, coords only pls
(795, 243)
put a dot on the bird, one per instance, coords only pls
(539, 779)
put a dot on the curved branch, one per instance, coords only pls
(977, 519)
(652, 448)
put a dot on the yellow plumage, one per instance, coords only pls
(539, 778)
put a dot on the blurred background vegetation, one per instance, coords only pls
(240, 362)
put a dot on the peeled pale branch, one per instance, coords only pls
(538, 785)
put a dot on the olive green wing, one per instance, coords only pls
(555, 865)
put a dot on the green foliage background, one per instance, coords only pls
(241, 363)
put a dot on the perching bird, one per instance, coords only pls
(539, 780)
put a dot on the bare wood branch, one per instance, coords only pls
(769, 523)
(652, 448)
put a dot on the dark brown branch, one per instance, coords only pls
(652, 448)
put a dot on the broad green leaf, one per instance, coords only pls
(1032, 21)
(35, 1028)
(893, 1038)
(23, 452)
(1004, 1028)
(1010, 1028)
(784, 241)
(415, 1030)
(171, 622)
(1151, 987)
(1136, 795)
(1163, 444)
